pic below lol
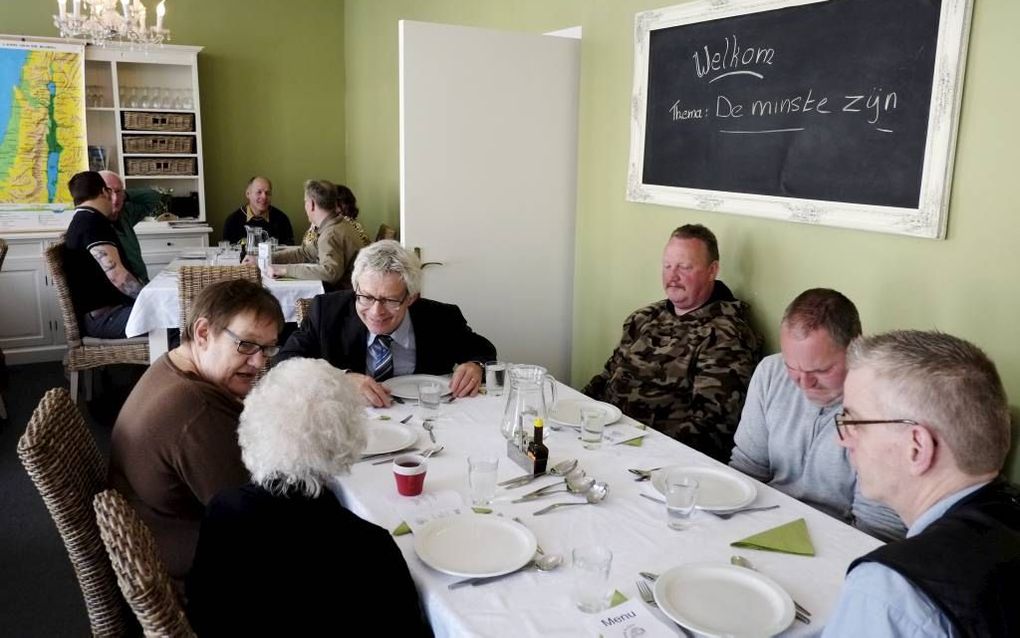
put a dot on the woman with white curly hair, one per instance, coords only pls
(265, 549)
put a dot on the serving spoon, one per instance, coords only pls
(575, 484)
(595, 494)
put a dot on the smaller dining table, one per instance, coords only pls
(157, 307)
(532, 603)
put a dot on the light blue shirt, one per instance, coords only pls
(403, 348)
(877, 601)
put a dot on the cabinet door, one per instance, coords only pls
(26, 309)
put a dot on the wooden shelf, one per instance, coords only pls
(160, 155)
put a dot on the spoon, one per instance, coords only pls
(548, 562)
(595, 494)
(574, 485)
(560, 469)
(427, 424)
(432, 450)
(543, 563)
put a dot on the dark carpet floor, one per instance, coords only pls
(39, 595)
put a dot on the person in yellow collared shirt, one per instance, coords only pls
(259, 211)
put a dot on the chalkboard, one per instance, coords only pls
(840, 112)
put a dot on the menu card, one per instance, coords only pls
(629, 619)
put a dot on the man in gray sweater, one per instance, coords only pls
(786, 436)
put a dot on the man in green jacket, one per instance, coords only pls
(129, 208)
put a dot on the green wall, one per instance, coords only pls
(271, 85)
(276, 100)
(966, 285)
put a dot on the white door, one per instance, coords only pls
(488, 179)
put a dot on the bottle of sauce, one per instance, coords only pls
(538, 453)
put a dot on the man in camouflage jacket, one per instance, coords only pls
(684, 363)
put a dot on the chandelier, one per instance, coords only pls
(99, 22)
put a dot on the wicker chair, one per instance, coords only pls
(301, 308)
(192, 279)
(87, 353)
(142, 577)
(61, 456)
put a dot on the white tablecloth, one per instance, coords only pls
(158, 307)
(539, 604)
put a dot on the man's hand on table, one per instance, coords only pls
(467, 379)
(374, 392)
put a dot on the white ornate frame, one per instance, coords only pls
(927, 220)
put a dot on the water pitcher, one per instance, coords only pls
(254, 237)
(526, 401)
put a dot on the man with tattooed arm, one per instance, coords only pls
(103, 287)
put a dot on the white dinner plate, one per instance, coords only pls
(568, 411)
(718, 489)
(406, 387)
(716, 599)
(472, 545)
(386, 437)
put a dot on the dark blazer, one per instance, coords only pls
(334, 332)
(270, 565)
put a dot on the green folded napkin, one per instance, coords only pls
(791, 538)
(403, 528)
(617, 599)
(635, 442)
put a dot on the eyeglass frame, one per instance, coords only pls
(268, 351)
(841, 422)
(367, 301)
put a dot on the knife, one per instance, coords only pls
(484, 580)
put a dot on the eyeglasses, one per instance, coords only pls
(367, 301)
(841, 422)
(250, 347)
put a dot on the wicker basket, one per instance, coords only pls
(148, 121)
(162, 166)
(159, 144)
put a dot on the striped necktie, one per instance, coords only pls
(381, 357)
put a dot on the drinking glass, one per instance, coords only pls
(482, 478)
(495, 378)
(145, 101)
(429, 393)
(681, 493)
(591, 565)
(593, 424)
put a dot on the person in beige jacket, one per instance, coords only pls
(330, 257)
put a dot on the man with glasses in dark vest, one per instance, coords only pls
(926, 422)
(384, 328)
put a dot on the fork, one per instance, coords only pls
(643, 475)
(728, 514)
(646, 593)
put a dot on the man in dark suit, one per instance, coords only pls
(383, 328)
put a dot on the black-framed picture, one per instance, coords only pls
(834, 112)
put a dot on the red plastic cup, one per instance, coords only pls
(409, 471)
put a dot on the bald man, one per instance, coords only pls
(129, 208)
(259, 211)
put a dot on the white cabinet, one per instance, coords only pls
(143, 113)
(31, 324)
(26, 303)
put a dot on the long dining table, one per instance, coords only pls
(157, 307)
(533, 603)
